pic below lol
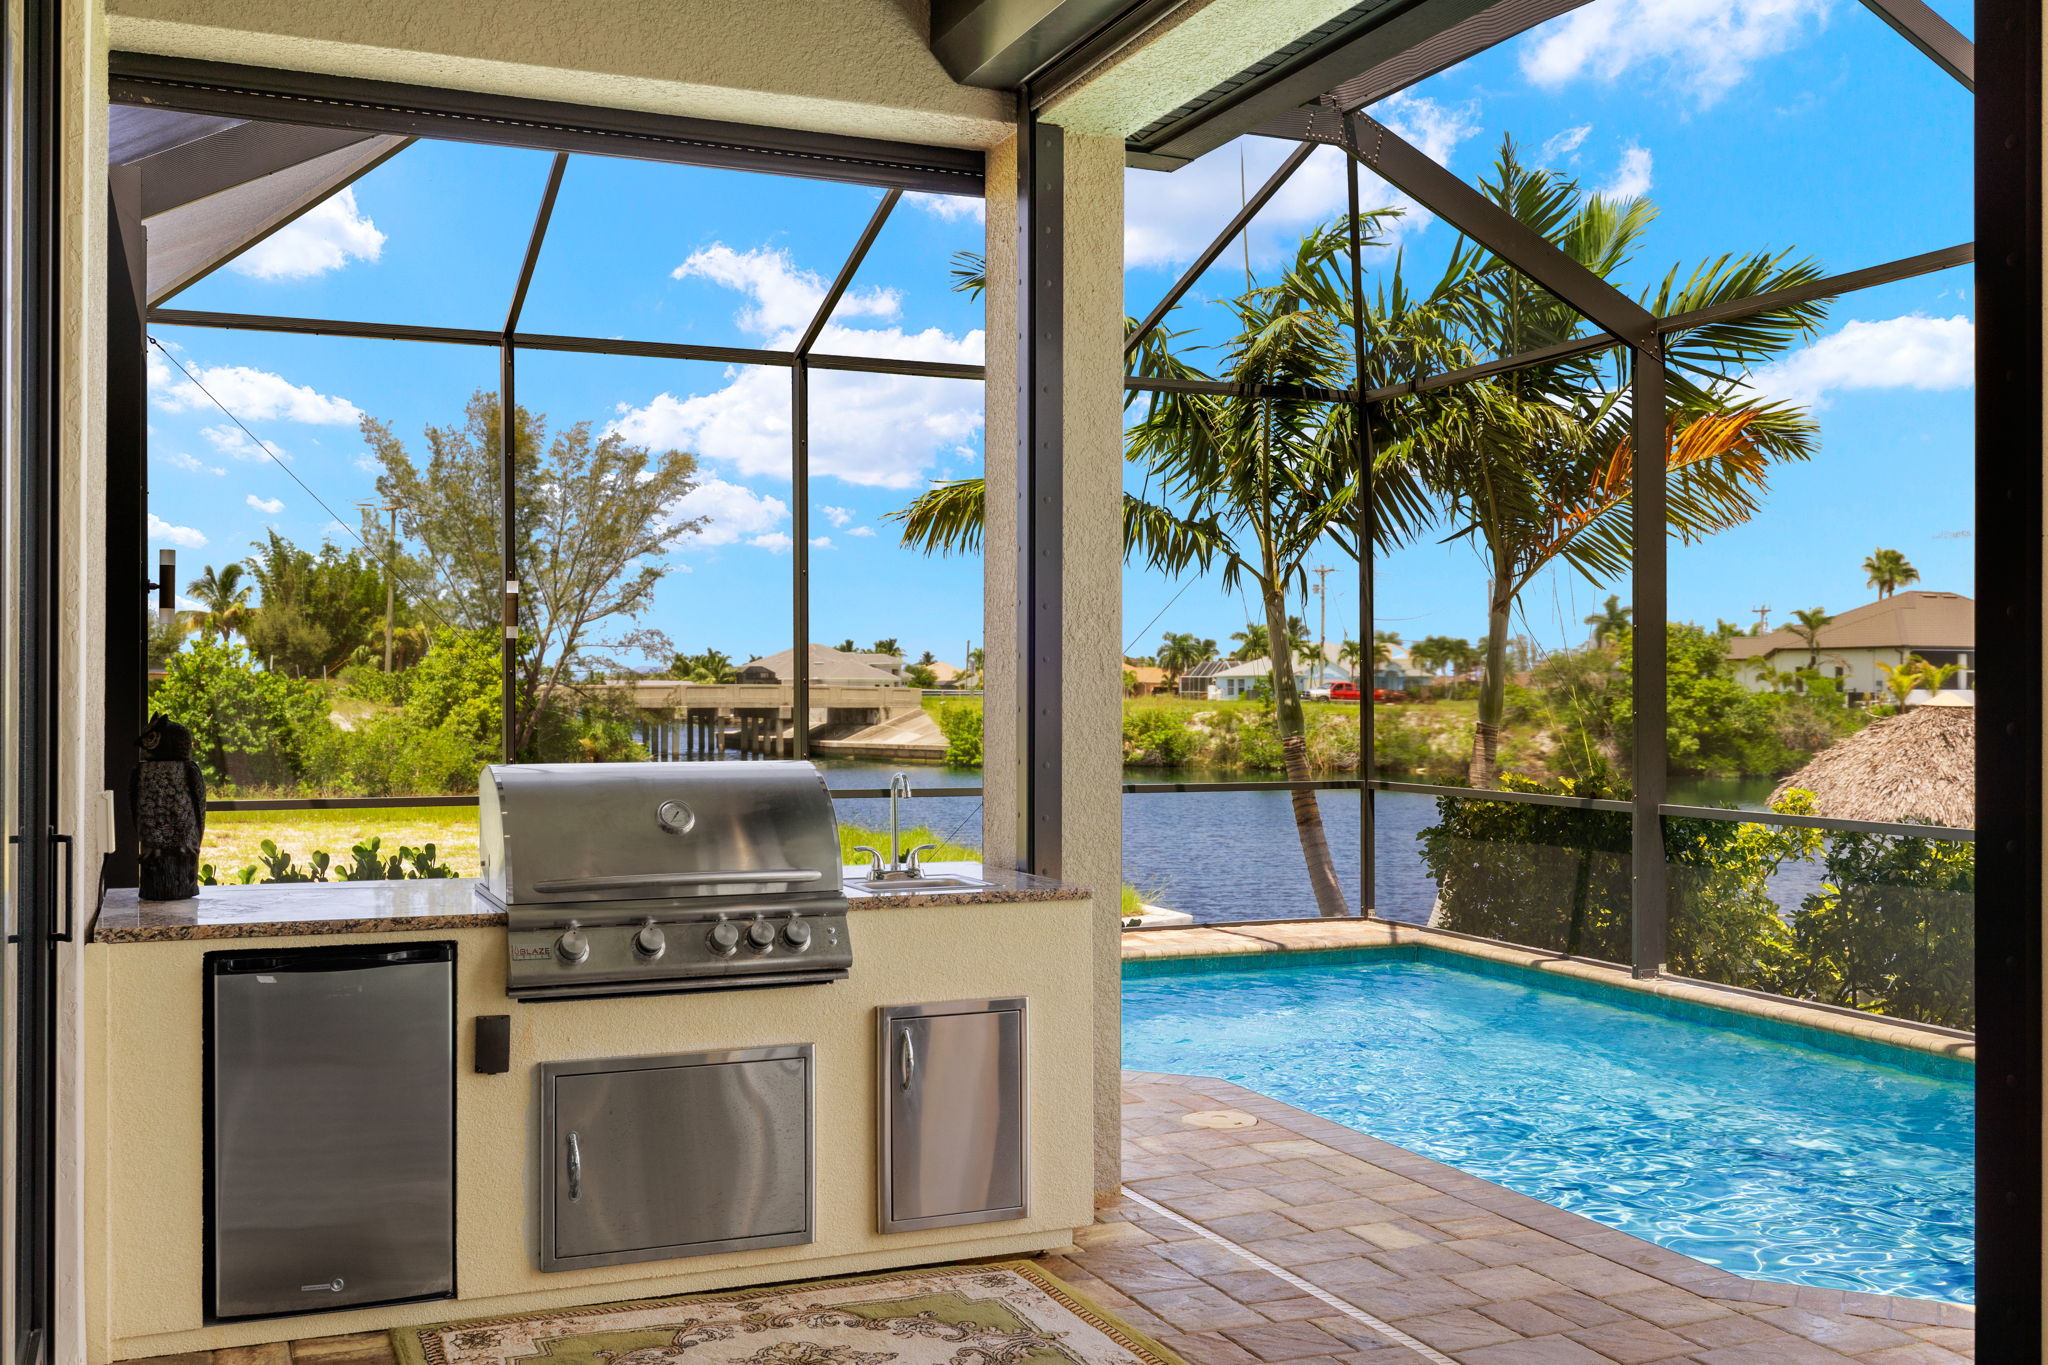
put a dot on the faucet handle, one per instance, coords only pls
(899, 785)
(910, 863)
(874, 861)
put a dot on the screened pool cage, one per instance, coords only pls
(155, 96)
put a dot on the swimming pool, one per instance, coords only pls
(1767, 1158)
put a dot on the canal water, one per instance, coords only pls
(1234, 855)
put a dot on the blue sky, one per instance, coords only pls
(1803, 124)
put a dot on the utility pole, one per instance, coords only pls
(1763, 618)
(390, 571)
(1322, 573)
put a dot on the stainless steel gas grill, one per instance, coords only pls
(635, 878)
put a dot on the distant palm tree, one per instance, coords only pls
(1934, 676)
(1384, 642)
(1438, 652)
(1610, 621)
(1888, 571)
(1807, 626)
(1351, 654)
(847, 646)
(1901, 680)
(225, 599)
(888, 646)
(1181, 651)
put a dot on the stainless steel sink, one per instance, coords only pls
(915, 886)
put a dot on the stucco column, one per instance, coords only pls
(1091, 536)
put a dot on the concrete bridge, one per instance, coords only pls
(680, 720)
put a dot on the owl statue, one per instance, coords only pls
(167, 796)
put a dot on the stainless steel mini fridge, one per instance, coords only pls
(330, 1128)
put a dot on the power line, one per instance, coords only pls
(390, 565)
(1144, 629)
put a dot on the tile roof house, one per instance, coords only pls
(1940, 627)
(829, 667)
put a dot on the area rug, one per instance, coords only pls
(1004, 1313)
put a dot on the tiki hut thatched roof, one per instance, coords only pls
(1920, 767)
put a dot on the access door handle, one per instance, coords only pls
(575, 1169)
(906, 1059)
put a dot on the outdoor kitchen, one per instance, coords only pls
(666, 1043)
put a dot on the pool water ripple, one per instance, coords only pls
(1767, 1159)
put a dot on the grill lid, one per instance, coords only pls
(584, 833)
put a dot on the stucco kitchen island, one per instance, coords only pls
(146, 1188)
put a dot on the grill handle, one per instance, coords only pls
(575, 1168)
(625, 881)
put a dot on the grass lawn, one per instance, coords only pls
(234, 838)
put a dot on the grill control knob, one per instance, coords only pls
(796, 934)
(650, 942)
(724, 937)
(574, 945)
(760, 935)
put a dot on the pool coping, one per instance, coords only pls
(1664, 994)
(1575, 1229)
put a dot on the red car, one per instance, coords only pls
(1344, 691)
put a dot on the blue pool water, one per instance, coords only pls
(1769, 1159)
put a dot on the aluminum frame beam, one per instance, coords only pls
(1936, 37)
(800, 475)
(252, 92)
(1408, 168)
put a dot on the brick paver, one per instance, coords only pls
(1474, 1273)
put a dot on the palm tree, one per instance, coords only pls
(1251, 641)
(1179, 652)
(1888, 571)
(1900, 680)
(888, 646)
(847, 646)
(1807, 626)
(1610, 621)
(1934, 677)
(1384, 642)
(1536, 466)
(1435, 653)
(225, 600)
(1247, 485)
(1351, 654)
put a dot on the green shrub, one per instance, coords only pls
(960, 722)
(1155, 737)
(249, 726)
(367, 863)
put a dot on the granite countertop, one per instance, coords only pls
(290, 910)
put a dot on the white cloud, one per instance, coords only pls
(326, 237)
(1704, 48)
(159, 529)
(877, 430)
(268, 506)
(821, 542)
(838, 516)
(774, 542)
(252, 395)
(369, 465)
(1910, 352)
(235, 443)
(861, 531)
(784, 297)
(731, 512)
(1563, 148)
(951, 207)
(1631, 177)
(1170, 216)
(191, 464)
(189, 604)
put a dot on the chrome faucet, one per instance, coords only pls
(900, 867)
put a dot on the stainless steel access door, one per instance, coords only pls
(332, 1127)
(952, 1114)
(648, 1158)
